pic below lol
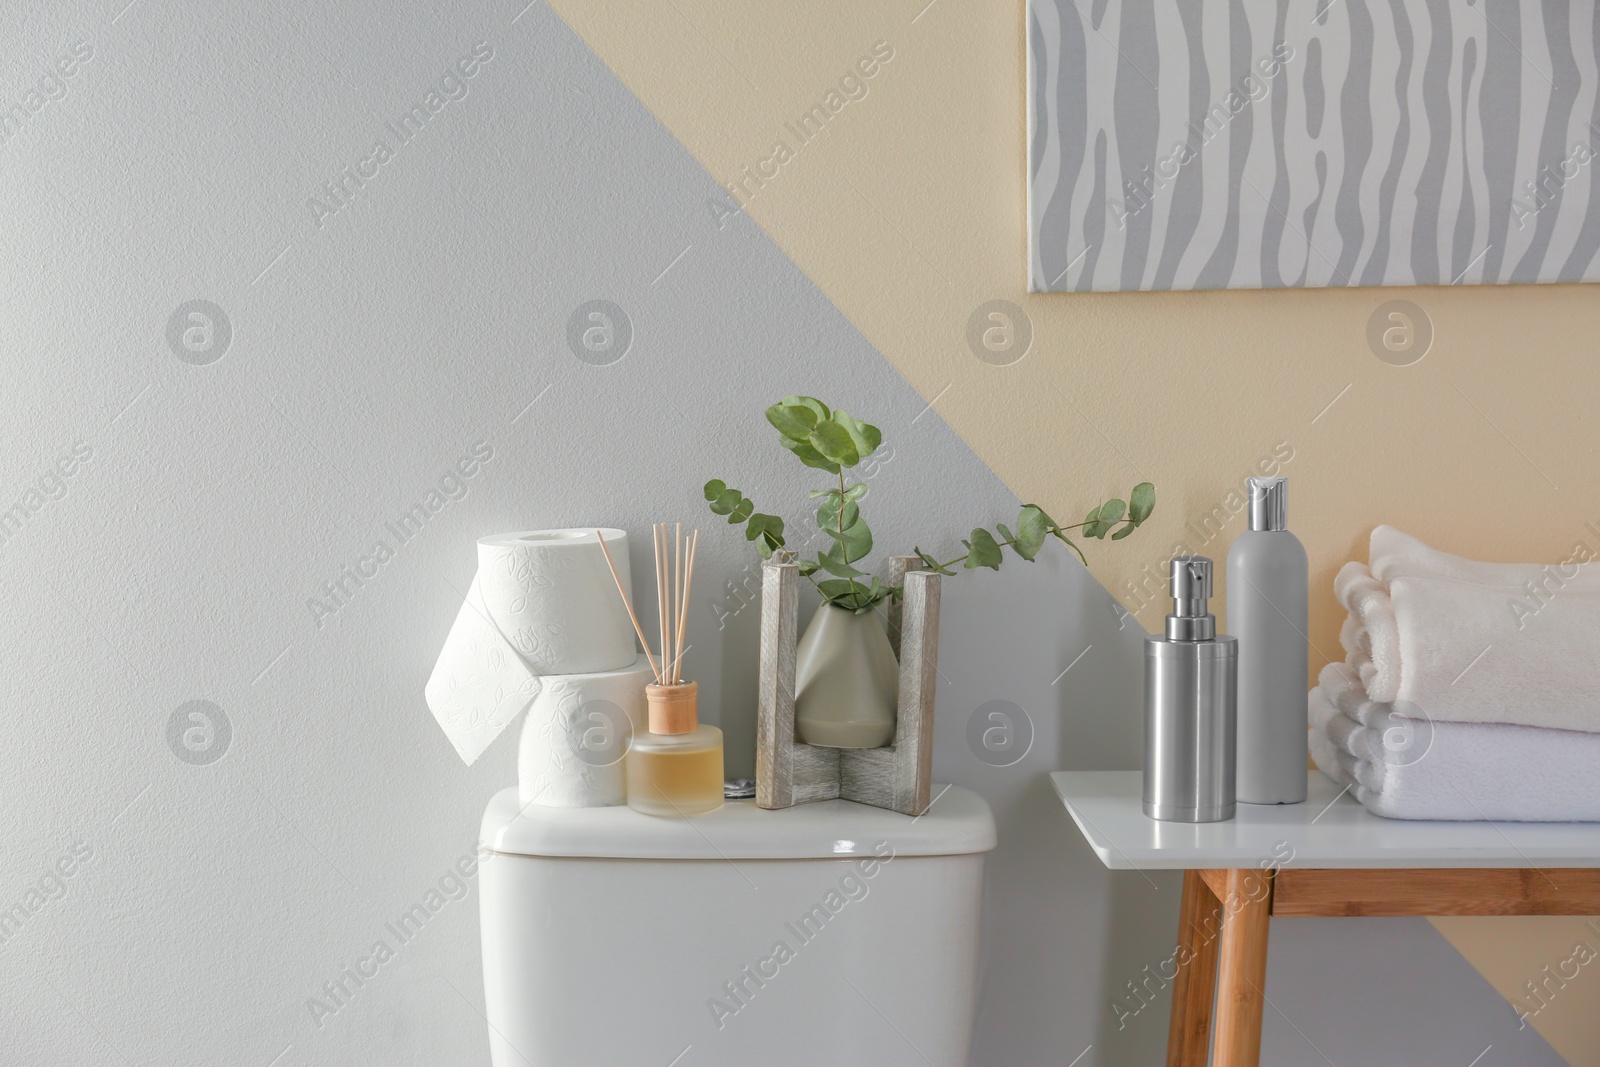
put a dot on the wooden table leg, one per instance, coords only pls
(1242, 968)
(1199, 920)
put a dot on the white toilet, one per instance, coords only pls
(829, 933)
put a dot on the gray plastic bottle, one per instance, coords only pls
(1267, 614)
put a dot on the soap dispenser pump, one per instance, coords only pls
(1190, 690)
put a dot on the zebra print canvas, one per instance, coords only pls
(1239, 144)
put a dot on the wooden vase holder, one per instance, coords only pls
(897, 776)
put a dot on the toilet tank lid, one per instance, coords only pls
(958, 822)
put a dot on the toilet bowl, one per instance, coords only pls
(829, 933)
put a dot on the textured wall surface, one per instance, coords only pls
(273, 275)
(212, 523)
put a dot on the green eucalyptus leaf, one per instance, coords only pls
(1127, 529)
(855, 492)
(726, 502)
(1092, 526)
(836, 566)
(810, 456)
(714, 488)
(836, 589)
(1033, 526)
(1111, 512)
(1141, 502)
(866, 437)
(854, 543)
(793, 421)
(811, 403)
(835, 442)
(808, 566)
(982, 551)
(743, 511)
(828, 517)
(869, 597)
(767, 527)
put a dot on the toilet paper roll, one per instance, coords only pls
(542, 603)
(576, 734)
(552, 596)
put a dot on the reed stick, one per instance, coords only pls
(666, 601)
(674, 580)
(663, 562)
(629, 605)
(677, 599)
(692, 545)
(661, 597)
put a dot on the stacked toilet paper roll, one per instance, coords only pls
(576, 733)
(542, 613)
(551, 594)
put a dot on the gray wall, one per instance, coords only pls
(213, 495)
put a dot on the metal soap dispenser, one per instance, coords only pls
(1191, 678)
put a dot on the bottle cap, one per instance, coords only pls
(1269, 505)
(674, 709)
(1191, 620)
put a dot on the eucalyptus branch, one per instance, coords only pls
(853, 590)
(1011, 542)
(833, 441)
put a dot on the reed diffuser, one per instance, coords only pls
(675, 768)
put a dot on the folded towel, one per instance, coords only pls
(1329, 736)
(1323, 752)
(1393, 554)
(1342, 685)
(1353, 637)
(1406, 768)
(1370, 634)
(1461, 651)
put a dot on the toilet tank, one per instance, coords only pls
(829, 933)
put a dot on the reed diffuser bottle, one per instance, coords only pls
(675, 768)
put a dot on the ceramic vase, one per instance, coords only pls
(847, 682)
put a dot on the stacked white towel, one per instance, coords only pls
(1470, 691)
(1409, 767)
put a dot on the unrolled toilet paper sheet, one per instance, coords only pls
(480, 683)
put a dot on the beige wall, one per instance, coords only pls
(1560, 957)
(908, 210)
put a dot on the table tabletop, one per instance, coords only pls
(1329, 830)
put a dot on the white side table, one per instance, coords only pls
(1328, 856)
